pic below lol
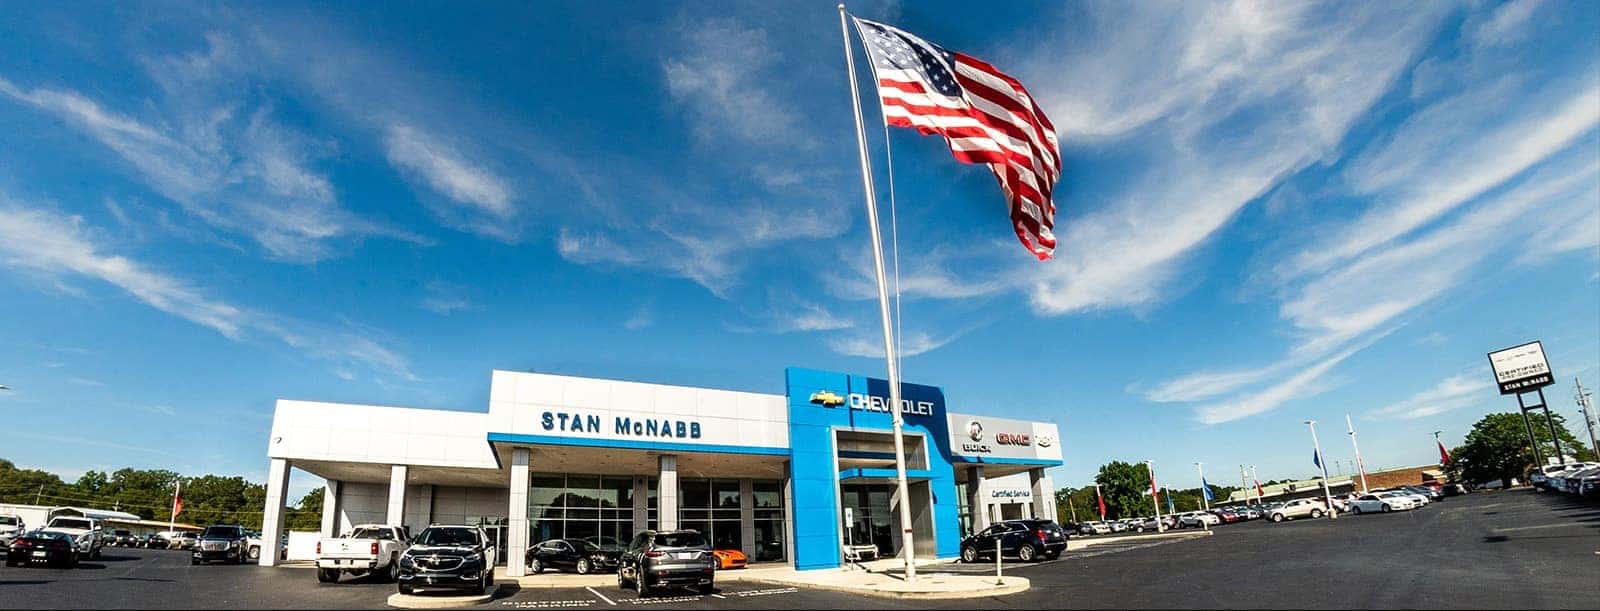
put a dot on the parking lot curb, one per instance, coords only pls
(1012, 585)
(412, 601)
(1077, 544)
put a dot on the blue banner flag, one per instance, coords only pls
(1316, 458)
(1170, 509)
(1205, 488)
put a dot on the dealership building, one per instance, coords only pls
(772, 475)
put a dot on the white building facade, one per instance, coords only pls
(582, 458)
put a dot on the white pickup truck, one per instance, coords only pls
(368, 549)
(85, 533)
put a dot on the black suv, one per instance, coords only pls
(452, 557)
(665, 559)
(222, 542)
(1028, 540)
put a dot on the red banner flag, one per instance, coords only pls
(1444, 455)
(1101, 501)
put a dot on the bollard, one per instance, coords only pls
(998, 580)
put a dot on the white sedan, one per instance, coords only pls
(1381, 502)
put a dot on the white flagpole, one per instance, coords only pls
(1155, 499)
(172, 520)
(907, 547)
(1361, 467)
(1332, 513)
(1204, 502)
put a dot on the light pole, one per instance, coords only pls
(1155, 494)
(1323, 464)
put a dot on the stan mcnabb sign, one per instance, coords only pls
(1521, 369)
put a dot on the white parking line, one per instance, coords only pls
(602, 596)
(718, 596)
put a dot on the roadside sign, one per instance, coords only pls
(849, 516)
(1520, 369)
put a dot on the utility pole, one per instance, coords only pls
(1582, 396)
(38, 494)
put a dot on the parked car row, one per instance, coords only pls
(1580, 478)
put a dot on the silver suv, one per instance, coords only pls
(665, 559)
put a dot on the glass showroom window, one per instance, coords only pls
(594, 508)
(711, 506)
(768, 498)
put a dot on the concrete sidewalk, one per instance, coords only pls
(881, 578)
(1077, 544)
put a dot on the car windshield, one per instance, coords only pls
(448, 536)
(683, 539)
(584, 546)
(39, 534)
(71, 523)
(372, 533)
(9, 520)
(221, 532)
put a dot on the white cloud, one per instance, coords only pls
(450, 174)
(243, 174)
(1304, 384)
(1436, 163)
(912, 343)
(1507, 24)
(1208, 384)
(1227, 99)
(49, 243)
(805, 316)
(641, 318)
(444, 299)
(160, 410)
(720, 80)
(1452, 393)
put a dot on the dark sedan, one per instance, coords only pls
(1028, 540)
(451, 557)
(573, 554)
(47, 548)
(155, 541)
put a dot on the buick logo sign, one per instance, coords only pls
(975, 430)
(1044, 441)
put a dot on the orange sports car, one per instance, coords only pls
(729, 558)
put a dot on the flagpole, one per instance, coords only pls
(907, 547)
(1100, 501)
(1255, 478)
(172, 520)
(1244, 486)
(1154, 494)
(1361, 467)
(1323, 464)
(1205, 491)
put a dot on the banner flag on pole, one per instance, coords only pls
(1170, 509)
(1444, 455)
(1205, 489)
(1316, 458)
(985, 116)
(1101, 501)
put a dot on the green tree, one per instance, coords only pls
(1497, 448)
(27, 486)
(1126, 488)
(307, 514)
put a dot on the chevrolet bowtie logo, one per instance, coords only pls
(827, 398)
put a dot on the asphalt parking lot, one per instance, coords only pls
(1513, 549)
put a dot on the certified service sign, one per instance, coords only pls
(1520, 369)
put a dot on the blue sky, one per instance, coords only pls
(1267, 214)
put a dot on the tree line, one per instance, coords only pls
(147, 493)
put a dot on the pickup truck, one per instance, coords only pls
(85, 533)
(368, 549)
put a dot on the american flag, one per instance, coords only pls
(986, 117)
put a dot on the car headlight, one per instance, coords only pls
(405, 560)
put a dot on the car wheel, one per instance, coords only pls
(328, 575)
(1026, 553)
(394, 570)
(10, 562)
(622, 584)
(95, 554)
(535, 566)
(707, 589)
(483, 583)
(1356, 509)
(1277, 517)
(405, 588)
(969, 555)
(1387, 509)
(1052, 555)
(638, 585)
(255, 552)
(583, 566)
(1316, 513)
(194, 562)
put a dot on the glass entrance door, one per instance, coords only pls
(874, 523)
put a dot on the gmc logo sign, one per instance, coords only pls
(1012, 439)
